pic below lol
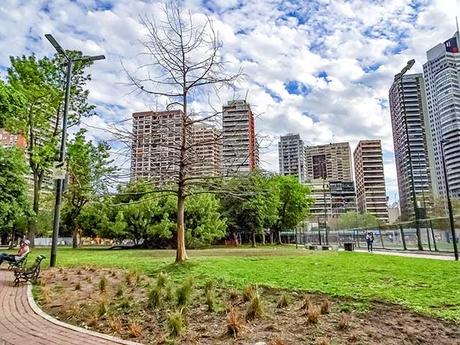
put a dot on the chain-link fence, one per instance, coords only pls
(427, 234)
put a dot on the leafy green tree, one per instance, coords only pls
(32, 104)
(351, 220)
(14, 203)
(89, 167)
(250, 205)
(294, 204)
(204, 220)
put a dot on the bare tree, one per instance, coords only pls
(184, 61)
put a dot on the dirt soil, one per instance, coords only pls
(119, 306)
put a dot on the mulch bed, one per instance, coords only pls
(120, 306)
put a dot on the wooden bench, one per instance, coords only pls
(18, 264)
(28, 274)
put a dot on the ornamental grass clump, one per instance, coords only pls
(283, 301)
(184, 292)
(162, 279)
(313, 314)
(175, 323)
(103, 284)
(155, 297)
(325, 307)
(255, 307)
(210, 300)
(344, 322)
(235, 323)
(249, 292)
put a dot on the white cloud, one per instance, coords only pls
(274, 41)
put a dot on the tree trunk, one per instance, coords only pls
(181, 254)
(263, 237)
(32, 226)
(253, 238)
(75, 242)
(271, 238)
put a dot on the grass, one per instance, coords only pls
(423, 285)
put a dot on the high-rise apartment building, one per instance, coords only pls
(207, 150)
(291, 156)
(331, 199)
(332, 161)
(157, 142)
(442, 78)
(8, 139)
(412, 143)
(370, 179)
(240, 154)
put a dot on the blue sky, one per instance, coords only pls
(319, 68)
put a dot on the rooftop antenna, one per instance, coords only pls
(456, 22)
(246, 97)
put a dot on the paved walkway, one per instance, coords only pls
(23, 323)
(410, 255)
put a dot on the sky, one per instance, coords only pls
(320, 68)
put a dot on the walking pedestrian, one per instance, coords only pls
(369, 240)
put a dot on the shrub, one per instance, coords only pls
(102, 284)
(344, 322)
(211, 300)
(175, 323)
(325, 307)
(155, 297)
(162, 279)
(283, 301)
(255, 308)
(313, 314)
(184, 292)
(235, 324)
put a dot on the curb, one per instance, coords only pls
(49, 318)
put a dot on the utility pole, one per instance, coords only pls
(449, 203)
(399, 77)
(62, 151)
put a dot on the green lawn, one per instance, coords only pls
(427, 286)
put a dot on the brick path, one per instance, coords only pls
(24, 324)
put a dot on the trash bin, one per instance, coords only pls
(349, 246)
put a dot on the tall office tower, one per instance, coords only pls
(412, 143)
(370, 179)
(156, 141)
(207, 150)
(332, 161)
(240, 151)
(442, 78)
(291, 156)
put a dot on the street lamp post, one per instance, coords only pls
(399, 76)
(449, 203)
(62, 151)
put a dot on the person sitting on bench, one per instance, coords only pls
(22, 252)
